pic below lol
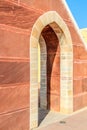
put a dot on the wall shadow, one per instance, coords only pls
(53, 73)
(53, 68)
(42, 113)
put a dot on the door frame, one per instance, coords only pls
(66, 64)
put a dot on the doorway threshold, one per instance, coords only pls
(47, 117)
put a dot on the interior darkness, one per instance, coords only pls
(53, 61)
(53, 72)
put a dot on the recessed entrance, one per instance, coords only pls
(51, 66)
(49, 70)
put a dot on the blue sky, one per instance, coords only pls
(79, 11)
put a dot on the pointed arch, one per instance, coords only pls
(52, 19)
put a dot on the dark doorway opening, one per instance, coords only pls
(52, 70)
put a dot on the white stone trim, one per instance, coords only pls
(66, 52)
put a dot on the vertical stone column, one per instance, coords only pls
(43, 74)
(66, 80)
(34, 83)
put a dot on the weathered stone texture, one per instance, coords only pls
(16, 21)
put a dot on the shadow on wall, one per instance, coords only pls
(42, 113)
(52, 67)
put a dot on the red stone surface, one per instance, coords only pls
(16, 22)
(18, 120)
(14, 70)
(13, 98)
(17, 16)
(15, 43)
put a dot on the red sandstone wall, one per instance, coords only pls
(15, 26)
(14, 79)
(80, 54)
(80, 77)
(14, 59)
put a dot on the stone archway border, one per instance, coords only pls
(66, 65)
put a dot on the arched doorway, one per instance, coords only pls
(49, 69)
(48, 27)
